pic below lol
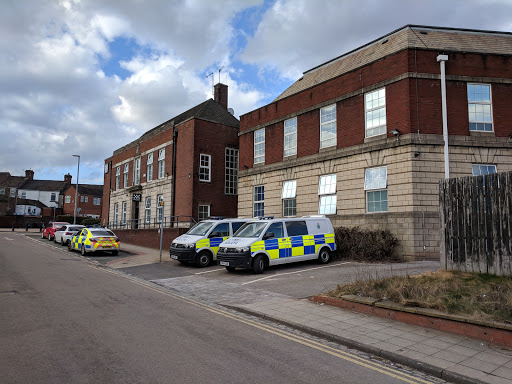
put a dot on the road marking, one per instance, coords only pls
(292, 273)
(6, 238)
(215, 270)
(278, 332)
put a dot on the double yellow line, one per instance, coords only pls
(283, 334)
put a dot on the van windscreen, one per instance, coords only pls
(251, 229)
(296, 228)
(200, 228)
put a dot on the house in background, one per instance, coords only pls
(90, 198)
(187, 166)
(360, 137)
(8, 197)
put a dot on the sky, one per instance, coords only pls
(86, 77)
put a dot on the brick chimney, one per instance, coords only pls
(29, 174)
(67, 179)
(221, 94)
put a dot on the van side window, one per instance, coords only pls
(236, 224)
(296, 228)
(223, 228)
(277, 229)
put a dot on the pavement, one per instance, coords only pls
(452, 357)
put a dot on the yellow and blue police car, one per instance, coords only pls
(201, 243)
(90, 240)
(268, 241)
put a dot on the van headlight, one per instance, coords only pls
(243, 249)
(191, 246)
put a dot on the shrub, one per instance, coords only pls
(365, 245)
(90, 221)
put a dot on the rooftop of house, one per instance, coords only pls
(44, 185)
(6, 180)
(410, 36)
(34, 203)
(88, 189)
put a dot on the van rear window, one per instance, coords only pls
(296, 228)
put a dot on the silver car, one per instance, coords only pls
(64, 234)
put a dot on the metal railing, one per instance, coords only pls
(180, 221)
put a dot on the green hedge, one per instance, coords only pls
(365, 245)
(79, 220)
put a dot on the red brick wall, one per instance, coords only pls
(185, 166)
(150, 238)
(88, 208)
(308, 134)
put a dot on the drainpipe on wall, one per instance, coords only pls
(441, 59)
(174, 142)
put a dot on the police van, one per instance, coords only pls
(268, 241)
(201, 243)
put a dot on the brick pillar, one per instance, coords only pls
(221, 94)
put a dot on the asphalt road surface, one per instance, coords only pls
(64, 320)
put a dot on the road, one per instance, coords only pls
(66, 320)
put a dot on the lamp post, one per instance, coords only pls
(76, 188)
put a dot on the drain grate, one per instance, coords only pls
(8, 292)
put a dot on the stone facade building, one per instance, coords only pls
(360, 137)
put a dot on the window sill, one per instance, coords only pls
(289, 157)
(327, 149)
(372, 139)
(482, 133)
(205, 181)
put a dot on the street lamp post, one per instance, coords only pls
(76, 188)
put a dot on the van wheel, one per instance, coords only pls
(203, 259)
(258, 265)
(230, 269)
(324, 256)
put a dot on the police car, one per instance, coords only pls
(201, 243)
(90, 240)
(268, 241)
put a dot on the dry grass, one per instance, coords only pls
(477, 296)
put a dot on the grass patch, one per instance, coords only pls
(477, 296)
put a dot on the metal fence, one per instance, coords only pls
(476, 223)
(168, 222)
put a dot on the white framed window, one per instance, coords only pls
(259, 146)
(203, 212)
(259, 201)
(136, 171)
(161, 163)
(288, 195)
(86, 199)
(328, 126)
(81, 199)
(118, 176)
(327, 195)
(123, 213)
(480, 107)
(483, 169)
(67, 199)
(12, 192)
(125, 175)
(96, 201)
(2, 191)
(116, 212)
(23, 195)
(160, 207)
(147, 215)
(375, 112)
(290, 137)
(375, 185)
(53, 197)
(231, 172)
(205, 167)
(149, 172)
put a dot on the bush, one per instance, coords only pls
(90, 221)
(365, 245)
(79, 220)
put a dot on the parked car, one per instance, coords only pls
(49, 231)
(90, 240)
(65, 233)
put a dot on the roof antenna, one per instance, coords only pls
(219, 72)
(207, 76)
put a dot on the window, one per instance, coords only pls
(328, 126)
(277, 229)
(81, 199)
(23, 195)
(205, 165)
(288, 195)
(2, 191)
(235, 225)
(118, 176)
(161, 163)
(296, 228)
(160, 207)
(327, 193)
(375, 112)
(259, 146)
(222, 228)
(231, 180)
(86, 199)
(479, 107)
(67, 199)
(149, 176)
(147, 215)
(136, 171)
(290, 137)
(97, 201)
(259, 197)
(125, 175)
(123, 219)
(483, 169)
(116, 213)
(12, 192)
(203, 212)
(53, 197)
(375, 185)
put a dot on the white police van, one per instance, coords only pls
(268, 241)
(200, 244)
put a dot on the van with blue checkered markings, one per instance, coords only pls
(265, 242)
(201, 243)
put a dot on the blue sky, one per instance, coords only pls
(87, 77)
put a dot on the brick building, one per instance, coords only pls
(90, 199)
(360, 137)
(198, 149)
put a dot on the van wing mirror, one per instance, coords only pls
(269, 235)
